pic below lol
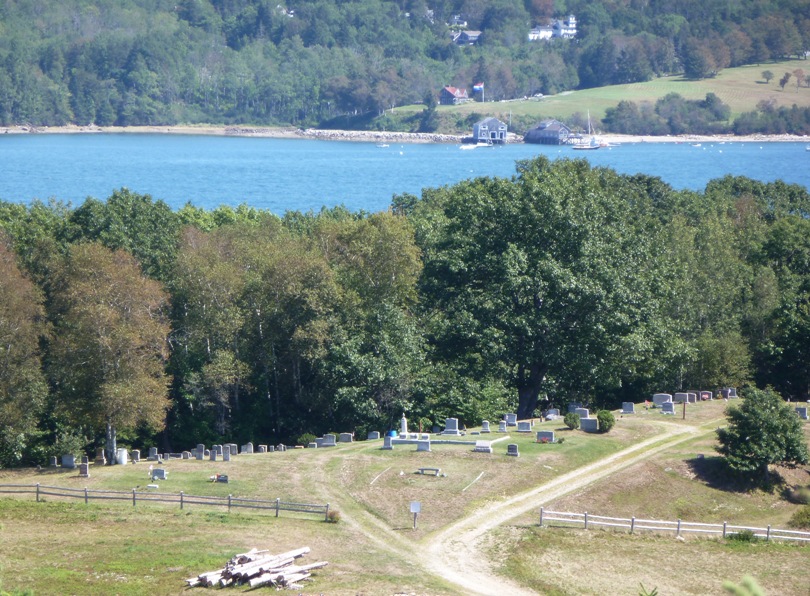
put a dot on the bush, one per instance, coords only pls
(333, 516)
(606, 420)
(306, 439)
(801, 519)
(571, 420)
(743, 536)
(799, 495)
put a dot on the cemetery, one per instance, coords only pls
(448, 471)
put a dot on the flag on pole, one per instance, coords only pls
(478, 87)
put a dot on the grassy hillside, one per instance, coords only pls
(741, 88)
(112, 547)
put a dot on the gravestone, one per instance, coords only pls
(483, 447)
(572, 406)
(313, 445)
(226, 454)
(545, 436)
(234, 448)
(732, 393)
(247, 448)
(136, 456)
(451, 427)
(706, 395)
(423, 437)
(512, 449)
(159, 474)
(423, 445)
(628, 407)
(346, 437)
(802, 412)
(403, 425)
(373, 435)
(524, 426)
(552, 414)
(329, 440)
(84, 460)
(281, 447)
(660, 398)
(121, 456)
(262, 448)
(668, 407)
(589, 425)
(511, 419)
(84, 470)
(54, 461)
(200, 453)
(212, 455)
(207, 453)
(692, 397)
(153, 454)
(502, 426)
(270, 449)
(485, 427)
(101, 458)
(186, 455)
(581, 412)
(679, 398)
(387, 444)
(218, 449)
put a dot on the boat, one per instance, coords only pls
(382, 145)
(593, 143)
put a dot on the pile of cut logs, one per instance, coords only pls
(258, 568)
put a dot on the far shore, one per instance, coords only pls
(372, 136)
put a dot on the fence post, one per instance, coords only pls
(724, 529)
(85, 495)
(229, 503)
(768, 534)
(133, 497)
(181, 499)
(541, 517)
(679, 528)
(586, 520)
(277, 503)
(37, 492)
(326, 515)
(632, 524)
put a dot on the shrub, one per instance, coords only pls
(801, 519)
(743, 536)
(799, 495)
(560, 440)
(306, 439)
(606, 420)
(333, 516)
(571, 420)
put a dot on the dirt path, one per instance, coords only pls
(458, 552)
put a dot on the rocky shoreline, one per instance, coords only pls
(373, 136)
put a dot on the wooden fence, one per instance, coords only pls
(181, 499)
(586, 520)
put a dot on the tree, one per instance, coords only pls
(109, 348)
(784, 80)
(767, 75)
(543, 280)
(762, 430)
(22, 384)
(571, 420)
(800, 77)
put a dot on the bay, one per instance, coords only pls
(303, 174)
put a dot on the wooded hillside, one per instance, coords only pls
(141, 62)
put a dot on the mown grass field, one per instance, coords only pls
(60, 547)
(742, 88)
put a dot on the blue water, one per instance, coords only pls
(292, 174)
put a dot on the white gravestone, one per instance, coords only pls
(403, 425)
(582, 412)
(373, 435)
(329, 440)
(706, 395)
(485, 426)
(122, 456)
(511, 419)
(200, 453)
(502, 426)
(451, 427)
(524, 426)
(483, 447)
(423, 445)
(552, 414)
(660, 398)
(387, 444)
(346, 437)
(668, 407)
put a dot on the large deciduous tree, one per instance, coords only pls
(22, 385)
(551, 280)
(109, 349)
(762, 430)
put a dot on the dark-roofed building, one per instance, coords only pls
(489, 130)
(452, 95)
(548, 132)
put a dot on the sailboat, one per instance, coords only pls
(593, 143)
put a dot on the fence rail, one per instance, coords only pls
(586, 520)
(180, 499)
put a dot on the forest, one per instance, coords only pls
(323, 62)
(123, 320)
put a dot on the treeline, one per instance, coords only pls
(125, 320)
(147, 62)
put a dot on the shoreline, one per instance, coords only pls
(373, 136)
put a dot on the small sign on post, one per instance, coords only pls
(416, 507)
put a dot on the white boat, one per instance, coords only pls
(382, 145)
(593, 143)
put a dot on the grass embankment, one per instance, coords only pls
(742, 88)
(112, 547)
